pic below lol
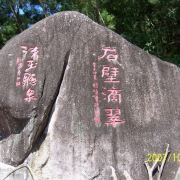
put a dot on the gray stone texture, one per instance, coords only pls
(73, 146)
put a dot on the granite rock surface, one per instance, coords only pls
(78, 101)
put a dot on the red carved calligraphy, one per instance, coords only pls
(19, 65)
(110, 74)
(109, 53)
(114, 95)
(27, 79)
(95, 96)
(30, 96)
(110, 87)
(35, 54)
(113, 117)
(31, 65)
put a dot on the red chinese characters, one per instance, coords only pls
(30, 95)
(19, 65)
(113, 117)
(114, 95)
(31, 65)
(109, 53)
(27, 79)
(96, 96)
(34, 54)
(110, 73)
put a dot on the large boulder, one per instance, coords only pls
(85, 103)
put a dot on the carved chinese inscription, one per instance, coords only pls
(96, 95)
(26, 72)
(106, 88)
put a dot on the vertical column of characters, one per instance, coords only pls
(27, 79)
(95, 85)
(112, 94)
(20, 64)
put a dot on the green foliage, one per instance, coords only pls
(109, 19)
(153, 1)
(151, 24)
(6, 31)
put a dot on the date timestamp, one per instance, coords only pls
(172, 157)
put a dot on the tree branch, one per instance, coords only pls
(151, 169)
(163, 162)
(113, 175)
(20, 167)
(16, 15)
(155, 164)
(127, 175)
